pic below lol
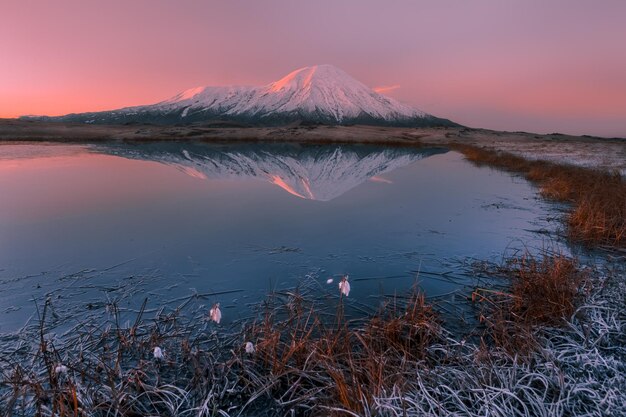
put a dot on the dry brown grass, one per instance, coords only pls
(346, 366)
(598, 198)
(545, 290)
(310, 360)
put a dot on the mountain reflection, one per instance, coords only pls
(313, 172)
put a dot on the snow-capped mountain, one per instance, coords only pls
(317, 94)
(311, 172)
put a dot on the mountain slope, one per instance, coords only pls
(317, 94)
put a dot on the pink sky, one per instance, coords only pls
(529, 65)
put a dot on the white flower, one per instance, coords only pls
(249, 347)
(215, 313)
(329, 281)
(60, 369)
(158, 353)
(344, 286)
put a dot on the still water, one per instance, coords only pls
(87, 223)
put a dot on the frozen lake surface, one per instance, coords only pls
(87, 223)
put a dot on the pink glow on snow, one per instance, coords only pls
(308, 195)
(290, 81)
(307, 188)
(192, 172)
(381, 180)
(275, 179)
(187, 94)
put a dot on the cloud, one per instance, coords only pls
(385, 88)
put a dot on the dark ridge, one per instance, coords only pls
(216, 119)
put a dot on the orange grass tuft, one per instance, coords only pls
(545, 290)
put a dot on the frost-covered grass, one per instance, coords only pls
(578, 370)
(300, 355)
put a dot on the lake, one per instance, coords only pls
(87, 223)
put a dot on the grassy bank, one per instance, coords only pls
(305, 357)
(597, 197)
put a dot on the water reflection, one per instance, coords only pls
(85, 223)
(312, 172)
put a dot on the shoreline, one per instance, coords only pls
(586, 151)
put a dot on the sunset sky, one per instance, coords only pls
(534, 65)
